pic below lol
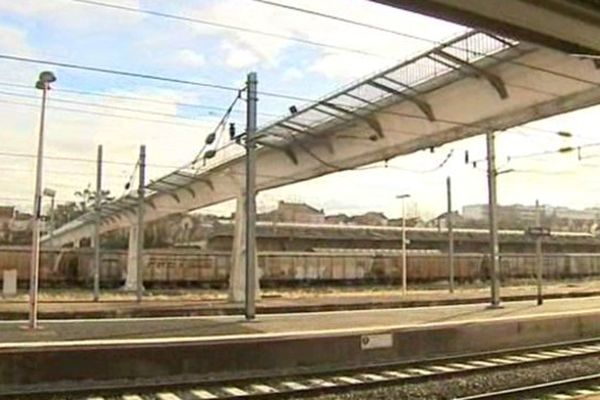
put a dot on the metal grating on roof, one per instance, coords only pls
(400, 82)
(171, 182)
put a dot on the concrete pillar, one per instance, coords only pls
(131, 272)
(237, 272)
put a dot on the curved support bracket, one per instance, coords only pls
(151, 204)
(424, 106)
(285, 148)
(370, 120)
(324, 139)
(493, 79)
(191, 191)
(208, 183)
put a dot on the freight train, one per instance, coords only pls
(193, 268)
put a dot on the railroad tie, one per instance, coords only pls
(168, 396)
(264, 389)
(294, 386)
(204, 394)
(234, 391)
(321, 383)
(348, 380)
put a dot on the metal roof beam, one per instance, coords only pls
(424, 106)
(493, 79)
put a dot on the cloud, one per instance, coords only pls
(75, 135)
(292, 74)
(73, 16)
(14, 40)
(239, 57)
(246, 49)
(189, 58)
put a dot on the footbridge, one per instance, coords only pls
(572, 26)
(472, 84)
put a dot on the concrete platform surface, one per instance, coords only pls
(68, 304)
(177, 329)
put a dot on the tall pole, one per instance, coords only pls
(140, 226)
(97, 225)
(43, 84)
(539, 260)
(251, 87)
(52, 221)
(449, 224)
(494, 248)
(403, 246)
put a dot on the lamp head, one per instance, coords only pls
(45, 78)
(49, 192)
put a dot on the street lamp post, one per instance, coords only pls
(52, 194)
(43, 84)
(403, 197)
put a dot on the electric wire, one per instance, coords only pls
(83, 160)
(101, 114)
(218, 130)
(229, 27)
(292, 38)
(104, 106)
(131, 98)
(270, 94)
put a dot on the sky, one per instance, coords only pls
(172, 120)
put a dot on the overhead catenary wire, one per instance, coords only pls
(147, 99)
(83, 160)
(222, 25)
(104, 106)
(320, 44)
(64, 172)
(100, 114)
(218, 130)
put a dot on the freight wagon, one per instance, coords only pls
(186, 267)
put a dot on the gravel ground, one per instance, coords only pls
(416, 291)
(442, 389)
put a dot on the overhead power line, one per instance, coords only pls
(118, 72)
(104, 106)
(62, 172)
(81, 159)
(347, 21)
(101, 114)
(151, 100)
(238, 28)
(231, 88)
(320, 44)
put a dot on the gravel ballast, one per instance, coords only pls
(476, 383)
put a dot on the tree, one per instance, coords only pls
(71, 210)
(88, 198)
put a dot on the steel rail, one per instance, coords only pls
(578, 387)
(307, 383)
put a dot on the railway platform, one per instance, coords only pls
(103, 351)
(63, 304)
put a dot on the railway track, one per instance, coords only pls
(342, 381)
(575, 388)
